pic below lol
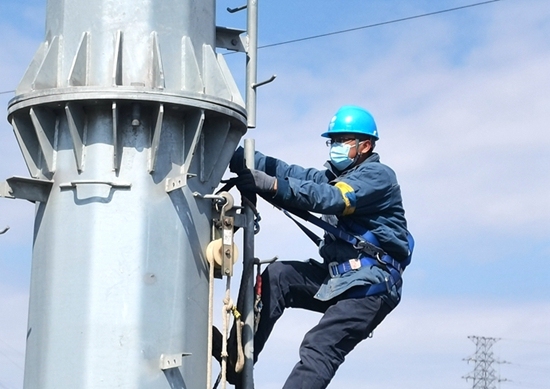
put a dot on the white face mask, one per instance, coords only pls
(339, 155)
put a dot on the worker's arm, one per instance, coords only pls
(364, 190)
(278, 168)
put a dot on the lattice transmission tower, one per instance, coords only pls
(484, 376)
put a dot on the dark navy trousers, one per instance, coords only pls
(345, 321)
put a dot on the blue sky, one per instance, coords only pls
(462, 102)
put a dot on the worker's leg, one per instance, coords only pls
(287, 284)
(325, 346)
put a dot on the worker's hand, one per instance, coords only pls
(255, 181)
(236, 165)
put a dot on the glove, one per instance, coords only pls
(255, 181)
(236, 165)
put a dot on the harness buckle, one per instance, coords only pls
(369, 249)
(379, 259)
(355, 263)
(333, 269)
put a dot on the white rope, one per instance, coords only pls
(210, 323)
(226, 310)
(239, 365)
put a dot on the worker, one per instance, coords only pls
(358, 195)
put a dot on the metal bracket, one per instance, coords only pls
(74, 184)
(195, 122)
(31, 189)
(227, 241)
(172, 360)
(87, 189)
(223, 201)
(270, 79)
(178, 182)
(230, 39)
(233, 10)
(258, 261)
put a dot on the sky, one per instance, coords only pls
(462, 104)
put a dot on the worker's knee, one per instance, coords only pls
(280, 275)
(279, 280)
(273, 277)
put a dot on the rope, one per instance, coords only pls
(210, 323)
(239, 365)
(226, 309)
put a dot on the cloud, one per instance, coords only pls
(468, 138)
(423, 343)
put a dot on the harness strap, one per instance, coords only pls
(336, 269)
(338, 232)
(310, 234)
(361, 243)
(358, 242)
(374, 254)
(373, 289)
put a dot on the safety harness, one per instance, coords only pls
(363, 240)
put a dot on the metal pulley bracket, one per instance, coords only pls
(223, 201)
(228, 246)
(223, 252)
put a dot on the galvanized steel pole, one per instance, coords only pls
(125, 111)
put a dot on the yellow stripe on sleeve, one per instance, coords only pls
(348, 193)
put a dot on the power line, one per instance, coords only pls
(538, 369)
(377, 24)
(526, 341)
(11, 360)
(527, 385)
(11, 347)
(4, 386)
(360, 28)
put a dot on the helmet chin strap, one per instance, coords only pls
(357, 153)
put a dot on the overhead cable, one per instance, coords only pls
(358, 28)
(377, 24)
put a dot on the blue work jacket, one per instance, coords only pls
(367, 195)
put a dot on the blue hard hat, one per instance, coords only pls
(354, 120)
